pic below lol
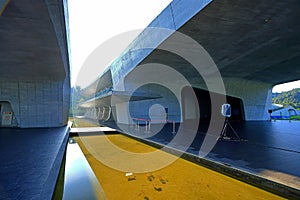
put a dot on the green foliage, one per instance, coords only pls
(76, 99)
(291, 97)
(295, 118)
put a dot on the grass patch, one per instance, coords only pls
(295, 117)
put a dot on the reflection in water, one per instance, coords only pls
(80, 181)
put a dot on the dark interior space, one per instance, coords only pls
(237, 108)
(204, 101)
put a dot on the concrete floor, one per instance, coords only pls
(30, 160)
(271, 150)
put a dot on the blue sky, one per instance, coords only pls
(92, 22)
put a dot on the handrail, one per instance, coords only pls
(109, 113)
(148, 123)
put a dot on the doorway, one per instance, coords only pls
(196, 104)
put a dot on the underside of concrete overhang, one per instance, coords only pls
(254, 45)
(33, 41)
(255, 41)
(114, 97)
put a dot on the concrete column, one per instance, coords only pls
(256, 96)
(122, 114)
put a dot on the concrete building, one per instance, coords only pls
(34, 64)
(194, 57)
(252, 45)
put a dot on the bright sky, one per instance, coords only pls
(286, 86)
(92, 22)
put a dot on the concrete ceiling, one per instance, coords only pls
(30, 46)
(251, 40)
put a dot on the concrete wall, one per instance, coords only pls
(34, 63)
(167, 107)
(59, 16)
(35, 103)
(256, 96)
(122, 113)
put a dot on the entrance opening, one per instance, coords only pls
(237, 108)
(202, 99)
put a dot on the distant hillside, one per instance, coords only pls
(291, 97)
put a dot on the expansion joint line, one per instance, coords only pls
(175, 28)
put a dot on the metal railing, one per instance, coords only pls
(147, 122)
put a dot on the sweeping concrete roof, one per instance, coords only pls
(256, 41)
(252, 40)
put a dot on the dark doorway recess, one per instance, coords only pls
(203, 101)
(237, 108)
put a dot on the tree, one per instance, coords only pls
(76, 99)
(291, 97)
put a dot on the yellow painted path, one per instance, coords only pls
(179, 180)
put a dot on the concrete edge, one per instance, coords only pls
(247, 177)
(50, 183)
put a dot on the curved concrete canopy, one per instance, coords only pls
(255, 45)
(251, 40)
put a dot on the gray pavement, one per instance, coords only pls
(271, 150)
(30, 160)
